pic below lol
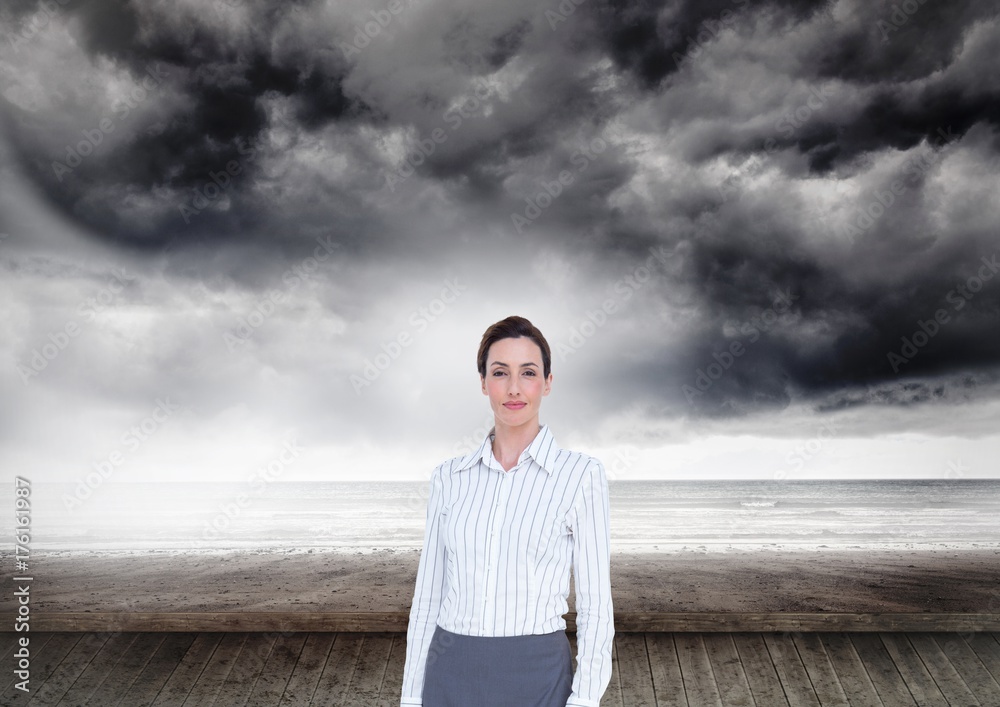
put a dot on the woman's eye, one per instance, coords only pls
(530, 373)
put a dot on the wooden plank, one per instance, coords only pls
(947, 678)
(699, 682)
(984, 686)
(215, 670)
(634, 670)
(730, 677)
(882, 671)
(988, 651)
(132, 663)
(759, 669)
(36, 641)
(308, 668)
(178, 685)
(790, 669)
(334, 683)
(69, 670)
(104, 658)
(44, 664)
(665, 670)
(625, 622)
(277, 670)
(392, 685)
(246, 669)
(366, 684)
(613, 694)
(820, 668)
(920, 683)
(161, 665)
(851, 671)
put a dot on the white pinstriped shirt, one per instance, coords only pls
(498, 547)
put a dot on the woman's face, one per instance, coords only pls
(514, 375)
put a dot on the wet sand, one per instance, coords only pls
(796, 580)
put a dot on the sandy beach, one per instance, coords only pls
(945, 579)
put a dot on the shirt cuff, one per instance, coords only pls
(580, 702)
(411, 702)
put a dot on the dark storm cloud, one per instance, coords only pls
(643, 105)
(218, 120)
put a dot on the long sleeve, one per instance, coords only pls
(595, 630)
(427, 595)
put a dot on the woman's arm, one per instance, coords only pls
(595, 628)
(427, 595)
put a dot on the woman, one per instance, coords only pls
(504, 525)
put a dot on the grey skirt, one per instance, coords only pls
(498, 671)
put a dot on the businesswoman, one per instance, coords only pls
(505, 524)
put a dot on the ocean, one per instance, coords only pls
(645, 515)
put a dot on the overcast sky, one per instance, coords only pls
(760, 237)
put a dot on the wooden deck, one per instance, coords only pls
(365, 668)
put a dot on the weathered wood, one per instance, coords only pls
(396, 621)
(308, 669)
(70, 668)
(100, 664)
(682, 669)
(35, 642)
(216, 669)
(392, 685)
(951, 684)
(277, 670)
(187, 672)
(699, 683)
(883, 672)
(851, 671)
(633, 664)
(665, 670)
(920, 683)
(44, 662)
(161, 665)
(968, 665)
(335, 681)
(246, 669)
(820, 668)
(790, 669)
(134, 660)
(761, 675)
(730, 677)
(987, 649)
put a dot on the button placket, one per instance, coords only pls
(492, 551)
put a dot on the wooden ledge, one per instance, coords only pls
(396, 622)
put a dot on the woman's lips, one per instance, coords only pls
(514, 406)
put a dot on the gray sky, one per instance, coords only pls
(761, 237)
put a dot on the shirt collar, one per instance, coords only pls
(543, 449)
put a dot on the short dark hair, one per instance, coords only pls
(512, 328)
